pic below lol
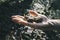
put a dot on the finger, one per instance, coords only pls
(14, 16)
(16, 20)
(18, 16)
(19, 19)
(21, 16)
(33, 13)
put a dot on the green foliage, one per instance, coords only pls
(9, 8)
(47, 7)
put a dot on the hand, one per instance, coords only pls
(19, 19)
(33, 13)
(17, 16)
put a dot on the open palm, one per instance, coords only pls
(18, 19)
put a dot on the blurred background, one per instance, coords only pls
(13, 31)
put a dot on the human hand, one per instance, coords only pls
(19, 19)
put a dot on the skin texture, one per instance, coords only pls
(46, 24)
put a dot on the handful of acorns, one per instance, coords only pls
(33, 16)
(32, 19)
